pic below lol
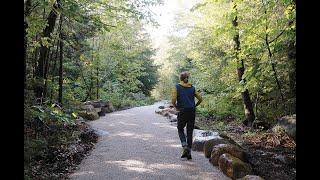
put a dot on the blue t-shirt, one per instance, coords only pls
(185, 97)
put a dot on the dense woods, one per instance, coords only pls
(78, 51)
(241, 55)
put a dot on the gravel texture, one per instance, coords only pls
(139, 144)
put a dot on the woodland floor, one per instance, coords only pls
(61, 149)
(272, 156)
(54, 151)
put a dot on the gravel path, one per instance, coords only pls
(139, 144)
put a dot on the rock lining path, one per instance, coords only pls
(139, 144)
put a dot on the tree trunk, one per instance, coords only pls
(44, 50)
(98, 64)
(54, 70)
(272, 63)
(292, 76)
(34, 63)
(256, 104)
(46, 68)
(292, 71)
(60, 63)
(91, 92)
(247, 103)
(27, 13)
(97, 82)
(91, 73)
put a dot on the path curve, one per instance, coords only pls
(139, 144)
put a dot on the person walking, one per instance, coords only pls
(183, 100)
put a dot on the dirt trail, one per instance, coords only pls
(139, 144)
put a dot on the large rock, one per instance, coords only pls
(96, 104)
(200, 137)
(167, 111)
(233, 167)
(101, 113)
(251, 177)
(220, 149)
(225, 136)
(87, 107)
(173, 111)
(173, 118)
(286, 124)
(110, 107)
(89, 115)
(164, 111)
(107, 108)
(208, 145)
(97, 109)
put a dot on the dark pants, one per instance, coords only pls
(186, 118)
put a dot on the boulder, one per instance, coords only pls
(167, 111)
(208, 145)
(103, 109)
(225, 136)
(220, 149)
(233, 167)
(96, 104)
(108, 108)
(166, 114)
(251, 177)
(80, 119)
(163, 111)
(173, 118)
(173, 111)
(286, 124)
(89, 115)
(97, 109)
(87, 107)
(87, 103)
(110, 105)
(101, 113)
(200, 137)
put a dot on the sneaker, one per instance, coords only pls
(189, 156)
(184, 153)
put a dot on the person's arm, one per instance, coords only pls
(174, 97)
(198, 96)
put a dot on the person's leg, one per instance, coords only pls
(190, 127)
(180, 125)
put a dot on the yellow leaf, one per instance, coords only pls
(74, 115)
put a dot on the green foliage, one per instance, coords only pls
(105, 54)
(53, 113)
(207, 52)
(221, 106)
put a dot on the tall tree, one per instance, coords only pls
(247, 103)
(44, 50)
(61, 35)
(27, 13)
